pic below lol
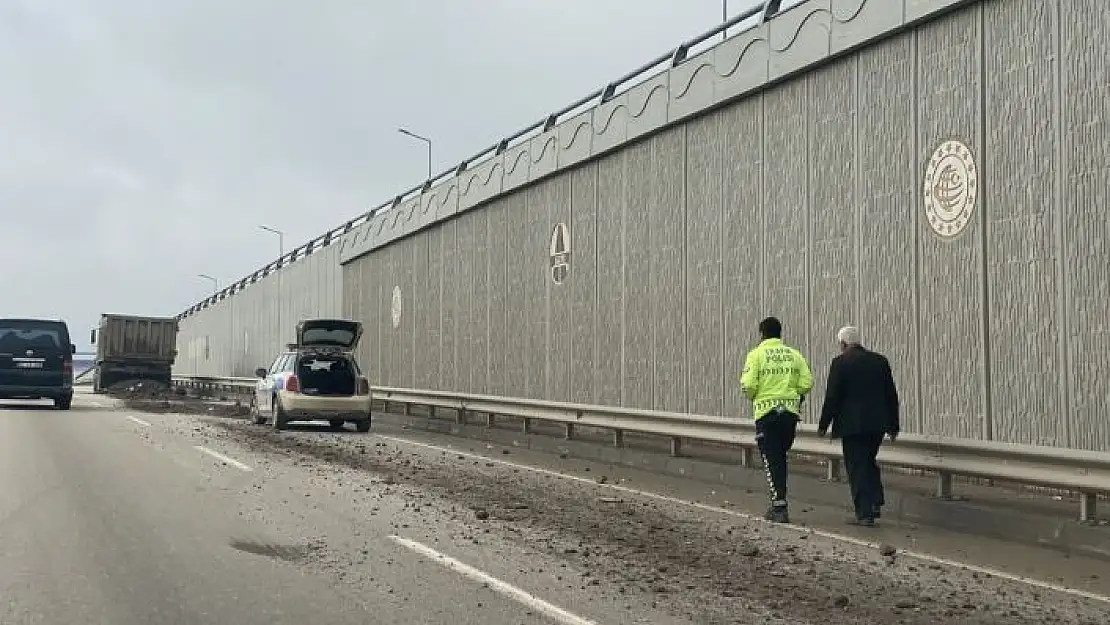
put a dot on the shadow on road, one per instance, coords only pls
(24, 405)
(319, 427)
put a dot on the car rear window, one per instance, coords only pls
(31, 334)
(332, 336)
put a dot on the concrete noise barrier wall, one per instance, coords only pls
(944, 187)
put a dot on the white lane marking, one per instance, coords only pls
(138, 420)
(218, 456)
(531, 601)
(1075, 592)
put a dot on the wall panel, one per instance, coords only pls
(742, 141)
(785, 244)
(612, 199)
(832, 264)
(518, 319)
(1083, 147)
(556, 200)
(666, 216)
(533, 269)
(950, 276)
(889, 205)
(583, 284)
(464, 283)
(1019, 65)
(498, 269)
(704, 242)
(638, 318)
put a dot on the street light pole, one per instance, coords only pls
(215, 282)
(425, 140)
(281, 239)
(281, 280)
(724, 18)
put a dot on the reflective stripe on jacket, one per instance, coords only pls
(775, 375)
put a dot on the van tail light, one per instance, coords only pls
(293, 385)
(67, 368)
(363, 386)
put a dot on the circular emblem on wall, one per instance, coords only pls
(951, 188)
(395, 306)
(560, 253)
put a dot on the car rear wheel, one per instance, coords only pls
(63, 402)
(336, 424)
(280, 420)
(362, 426)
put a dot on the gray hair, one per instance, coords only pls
(848, 335)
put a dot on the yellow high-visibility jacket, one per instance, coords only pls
(774, 375)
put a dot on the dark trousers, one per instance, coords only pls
(774, 433)
(864, 476)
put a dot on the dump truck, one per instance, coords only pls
(133, 349)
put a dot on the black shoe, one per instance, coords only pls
(777, 514)
(864, 522)
(877, 511)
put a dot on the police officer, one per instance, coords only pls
(776, 378)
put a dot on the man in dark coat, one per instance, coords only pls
(861, 406)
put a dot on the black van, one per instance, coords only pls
(36, 361)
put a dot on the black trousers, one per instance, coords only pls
(864, 477)
(775, 433)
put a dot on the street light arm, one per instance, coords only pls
(281, 239)
(414, 135)
(215, 282)
(425, 140)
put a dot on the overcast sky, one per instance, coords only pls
(144, 141)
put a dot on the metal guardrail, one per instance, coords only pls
(1084, 472)
(763, 9)
(207, 383)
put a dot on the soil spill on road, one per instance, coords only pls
(690, 563)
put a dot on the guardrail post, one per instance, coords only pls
(747, 457)
(944, 485)
(490, 419)
(1087, 505)
(569, 431)
(618, 438)
(460, 416)
(676, 446)
(432, 411)
(407, 409)
(526, 426)
(832, 470)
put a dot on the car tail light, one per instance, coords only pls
(67, 368)
(363, 386)
(293, 385)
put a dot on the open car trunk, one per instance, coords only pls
(326, 374)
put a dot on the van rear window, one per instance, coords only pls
(15, 336)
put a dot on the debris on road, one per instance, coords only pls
(704, 568)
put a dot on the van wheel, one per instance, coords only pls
(336, 424)
(362, 426)
(280, 420)
(63, 402)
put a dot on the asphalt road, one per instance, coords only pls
(101, 523)
(115, 516)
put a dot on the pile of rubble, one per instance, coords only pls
(152, 396)
(142, 389)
